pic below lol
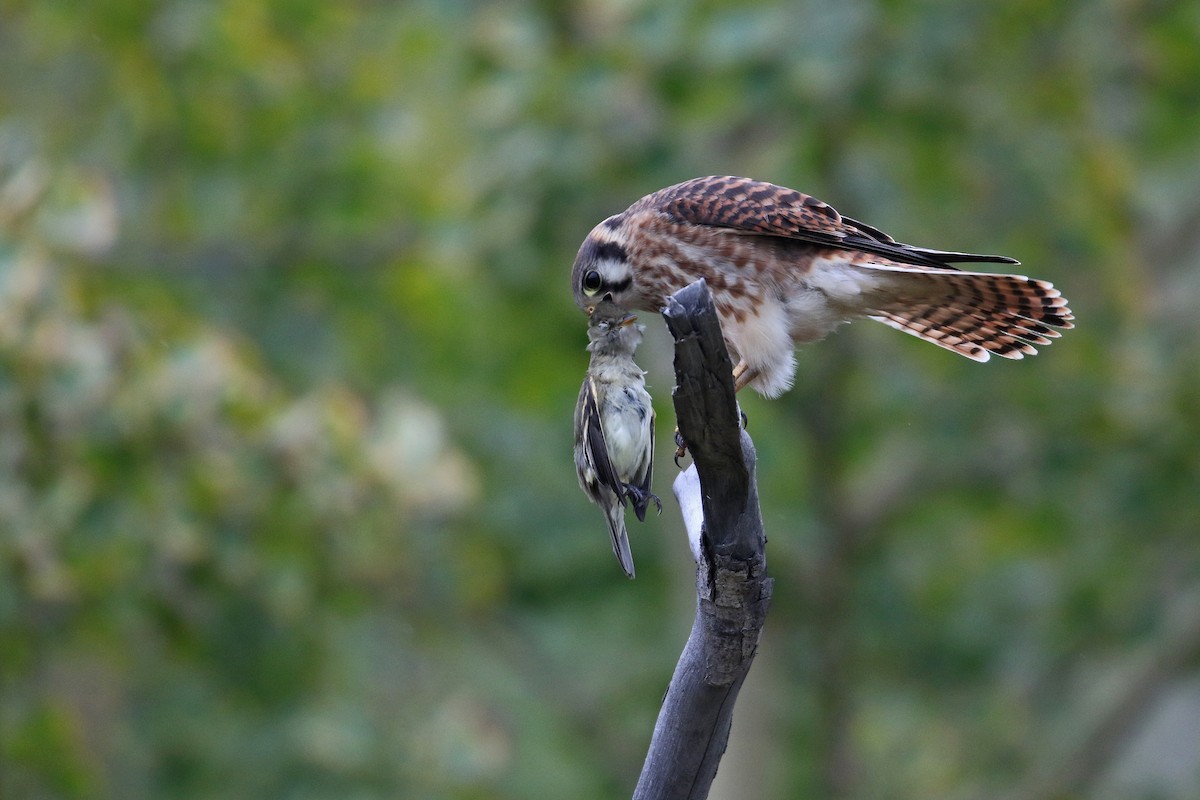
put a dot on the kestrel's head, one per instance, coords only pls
(611, 329)
(602, 268)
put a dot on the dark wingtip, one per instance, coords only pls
(966, 258)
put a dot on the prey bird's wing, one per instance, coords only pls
(597, 475)
(645, 483)
(639, 486)
(743, 206)
(595, 445)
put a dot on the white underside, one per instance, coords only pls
(832, 293)
(626, 431)
(627, 435)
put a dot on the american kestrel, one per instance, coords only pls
(614, 426)
(786, 269)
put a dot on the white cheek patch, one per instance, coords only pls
(616, 277)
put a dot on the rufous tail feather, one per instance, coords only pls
(976, 314)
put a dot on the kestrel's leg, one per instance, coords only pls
(742, 375)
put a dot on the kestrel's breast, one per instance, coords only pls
(751, 278)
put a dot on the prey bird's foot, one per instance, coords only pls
(641, 500)
(680, 448)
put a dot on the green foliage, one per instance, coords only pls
(288, 357)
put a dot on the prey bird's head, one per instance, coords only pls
(612, 329)
(602, 268)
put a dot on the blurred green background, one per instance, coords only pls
(288, 360)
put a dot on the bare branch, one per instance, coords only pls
(733, 590)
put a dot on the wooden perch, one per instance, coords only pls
(732, 586)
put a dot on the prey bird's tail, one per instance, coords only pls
(975, 314)
(615, 514)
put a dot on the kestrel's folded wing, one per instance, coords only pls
(741, 205)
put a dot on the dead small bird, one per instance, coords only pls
(614, 425)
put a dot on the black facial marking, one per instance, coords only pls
(611, 251)
(620, 286)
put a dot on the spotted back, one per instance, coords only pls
(755, 207)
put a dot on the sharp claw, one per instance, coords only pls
(745, 420)
(680, 448)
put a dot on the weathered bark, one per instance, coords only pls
(719, 500)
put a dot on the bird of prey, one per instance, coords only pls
(614, 426)
(786, 269)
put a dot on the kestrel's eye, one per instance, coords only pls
(591, 282)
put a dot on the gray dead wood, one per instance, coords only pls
(732, 586)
